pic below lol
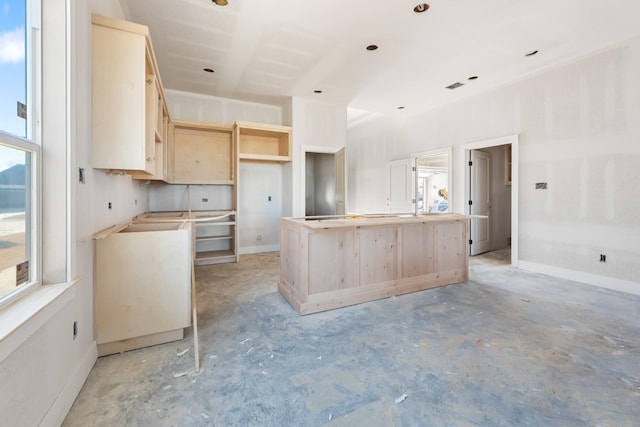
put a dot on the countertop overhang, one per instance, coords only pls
(344, 221)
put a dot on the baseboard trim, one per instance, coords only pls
(259, 249)
(579, 276)
(60, 408)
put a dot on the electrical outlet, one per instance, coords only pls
(259, 237)
(75, 329)
(81, 175)
(205, 199)
(109, 205)
(603, 258)
(269, 198)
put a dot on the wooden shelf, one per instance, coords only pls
(215, 257)
(263, 142)
(205, 238)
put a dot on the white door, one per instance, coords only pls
(340, 181)
(480, 202)
(401, 181)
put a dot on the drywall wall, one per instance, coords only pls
(578, 129)
(40, 379)
(315, 124)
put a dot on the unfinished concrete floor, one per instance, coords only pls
(505, 348)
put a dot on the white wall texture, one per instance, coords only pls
(41, 378)
(578, 129)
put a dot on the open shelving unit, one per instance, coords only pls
(263, 142)
(215, 239)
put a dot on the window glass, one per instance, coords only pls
(13, 75)
(16, 154)
(14, 233)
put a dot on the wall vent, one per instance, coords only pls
(455, 85)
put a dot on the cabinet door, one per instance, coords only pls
(119, 93)
(202, 155)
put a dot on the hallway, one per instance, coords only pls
(505, 348)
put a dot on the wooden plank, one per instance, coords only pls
(343, 298)
(331, 265)
(417, 249)
(378, 261)
(202, 155)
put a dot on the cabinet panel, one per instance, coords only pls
(119, 94)
(202, 154)
(128, 106)
(143, 282)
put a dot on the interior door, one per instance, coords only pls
(340, 181)
(401, 183)
(480, 201)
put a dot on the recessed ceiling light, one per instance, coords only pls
(401, 107)
(472, 78)
(372, 47)
(317, 91)
(208, 70)
(454, 85)
(533, 52)
(422, 7)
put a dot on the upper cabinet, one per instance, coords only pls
(202, 153)
(130, 117)
(263, 142)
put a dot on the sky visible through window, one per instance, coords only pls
(12, 73)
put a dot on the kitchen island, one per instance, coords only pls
(331, 262)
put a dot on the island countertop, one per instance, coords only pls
(358, 220)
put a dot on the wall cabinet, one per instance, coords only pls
(263, 142)
(128, 106)
(142, 285)
(202, 153)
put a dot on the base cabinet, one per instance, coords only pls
(142, 286)
(326, 264)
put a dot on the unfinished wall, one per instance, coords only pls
(578, 130)
(42, 376)
(500, 200)
(315, 124)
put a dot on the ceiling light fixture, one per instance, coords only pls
(317, 91)
(533, 52)
(401, 107)
(472, 78)
(422, 7)
(220, 2)
(372, 47)
(454, 85)
(208, 70)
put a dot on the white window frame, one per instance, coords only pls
(32, 145)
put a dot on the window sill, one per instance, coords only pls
(21, 319)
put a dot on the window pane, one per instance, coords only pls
(14, 218)
(13, 67)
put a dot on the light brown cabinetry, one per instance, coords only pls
(215, 239)
(128, 106)
(202, 153)
(340, 261)
(142, 285)
(263, 142)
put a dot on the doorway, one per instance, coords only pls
(497, 189)
(324, 181)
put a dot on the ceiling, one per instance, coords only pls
(269, 50)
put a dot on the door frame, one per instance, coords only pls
(464, 177)
(436, 152)
(303, 177)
